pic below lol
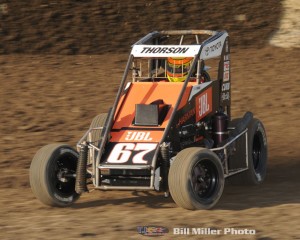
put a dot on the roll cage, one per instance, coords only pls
(152, 47)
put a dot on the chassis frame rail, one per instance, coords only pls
(94, 152)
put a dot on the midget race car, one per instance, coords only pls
(176, 137)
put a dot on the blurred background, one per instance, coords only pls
(60, 65)
(96, 27)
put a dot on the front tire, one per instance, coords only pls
(196, 179)
(51, 173)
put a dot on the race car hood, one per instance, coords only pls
(125, 128)
(133, 141)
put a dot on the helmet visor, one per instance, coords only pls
(178, 66)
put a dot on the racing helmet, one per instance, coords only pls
(178, 68)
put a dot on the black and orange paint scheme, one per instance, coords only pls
(180, 112)
(191, 109)
(170, 136)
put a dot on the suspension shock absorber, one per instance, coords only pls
(165, 166)
(80, 184)
(219, 128)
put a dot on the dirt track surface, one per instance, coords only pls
(53, 98)
(48, 99)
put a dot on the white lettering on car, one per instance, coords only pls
(225, 87)
(122, 152)
(164, 49)
(138, 136)
(203, 105)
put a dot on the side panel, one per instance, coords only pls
(237, 158)
(201, 106)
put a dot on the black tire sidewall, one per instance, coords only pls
(43, 176)
(180, 179)
(59, 198)
(212, 200)
(257, 176)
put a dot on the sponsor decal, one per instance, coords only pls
(152, 230)
(215, 46)
(186, 117)
(210, 49)
(227, 57)
(226, 76)
(138, 136)
(225, 96)
(206, 51)
(123, 152)
(165, 49)
(225, 86)
(226, 65)
(203, 104)
(226, 69)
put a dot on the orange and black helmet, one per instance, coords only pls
(178, 68)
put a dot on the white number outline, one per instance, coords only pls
(122, 152)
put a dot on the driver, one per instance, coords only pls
(178, 68)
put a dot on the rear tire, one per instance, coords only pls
(196, 179)
(47, 175)
(98, 121)
(257, 156)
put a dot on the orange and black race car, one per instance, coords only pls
(169, 129)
